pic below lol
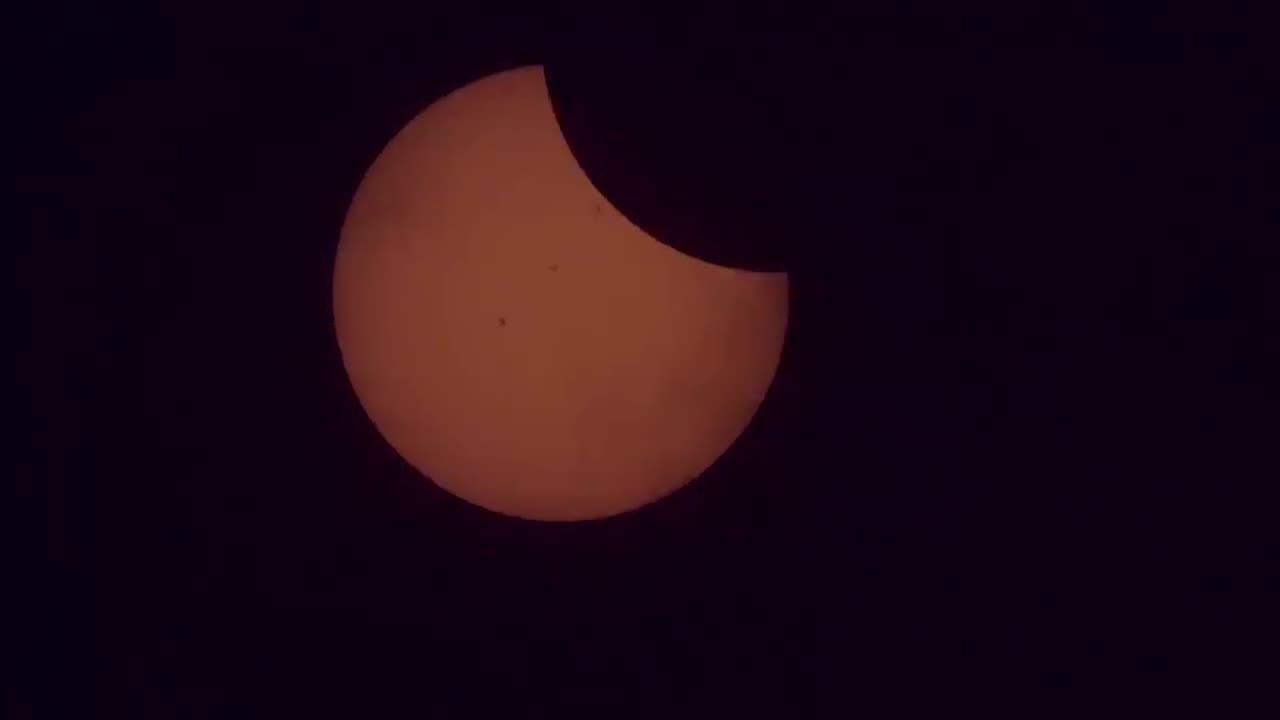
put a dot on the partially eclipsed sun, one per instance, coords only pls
(520, 342)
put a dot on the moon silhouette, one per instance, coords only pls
(521, 343)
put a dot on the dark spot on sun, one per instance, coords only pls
(553, 268)
(502, 322)
(599, 209)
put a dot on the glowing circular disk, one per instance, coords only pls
(521, 343)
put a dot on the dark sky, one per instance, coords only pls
(1006, 454)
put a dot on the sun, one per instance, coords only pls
(521, 343)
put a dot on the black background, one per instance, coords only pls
(1005, 456)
